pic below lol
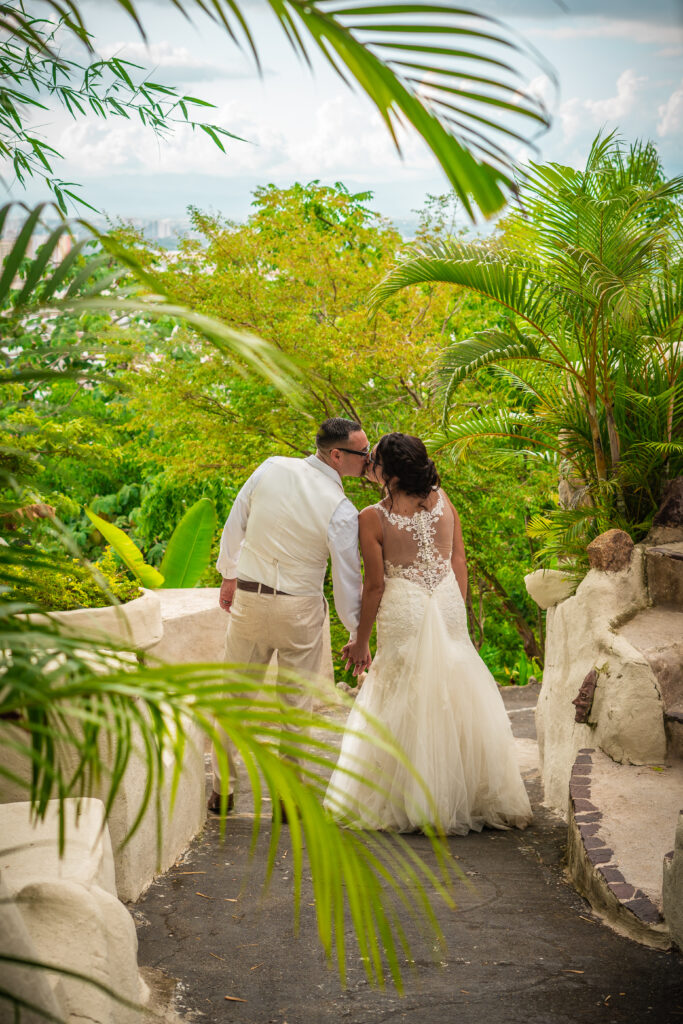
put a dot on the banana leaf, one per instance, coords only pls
(127, 551)
(189, 549)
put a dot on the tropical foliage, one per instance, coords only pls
(182, 423)
(64, 703)
(442, 70)
(63, 311)
(66, 584)
(586, 368)
(186, 557)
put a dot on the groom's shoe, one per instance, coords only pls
(283, 814)
(214, 804)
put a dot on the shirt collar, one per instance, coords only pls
(317, 463)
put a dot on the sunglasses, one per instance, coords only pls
(352, 451)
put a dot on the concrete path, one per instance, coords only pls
(523, 948)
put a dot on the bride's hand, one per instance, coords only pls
(357, 655)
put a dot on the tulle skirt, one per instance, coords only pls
(429, 693)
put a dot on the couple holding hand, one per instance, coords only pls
(427, 684)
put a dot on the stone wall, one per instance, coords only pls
(613, 685)
(626, 719)
(64, 910)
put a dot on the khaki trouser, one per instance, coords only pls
(260, 625)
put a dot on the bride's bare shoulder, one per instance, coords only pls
(369, 512)
(368, 518)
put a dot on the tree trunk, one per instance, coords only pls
(532, 648)
(600, 461)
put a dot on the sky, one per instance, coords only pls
(619, 64)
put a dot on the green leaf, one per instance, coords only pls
(128, 551)
(189, 549)
(212, 135)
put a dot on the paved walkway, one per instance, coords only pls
(523, 948)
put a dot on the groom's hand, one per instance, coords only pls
(227, 594)
(357, 655)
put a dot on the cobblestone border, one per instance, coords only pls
(588, 819)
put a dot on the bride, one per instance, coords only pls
(427, 687)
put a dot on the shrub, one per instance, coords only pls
(68, 584)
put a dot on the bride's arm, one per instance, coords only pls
(370, 534)
(458, 559)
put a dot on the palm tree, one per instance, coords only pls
(586, 366)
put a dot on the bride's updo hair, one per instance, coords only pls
(405, 457)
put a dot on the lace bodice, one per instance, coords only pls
(418, 547)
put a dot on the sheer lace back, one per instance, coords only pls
(418, 547)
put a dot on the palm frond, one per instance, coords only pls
(450, 73)
(457, 436)
(68, 696)
(464, 358)
(511, 280)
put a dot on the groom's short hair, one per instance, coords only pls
(335, 431)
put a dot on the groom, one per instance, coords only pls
(290, 516)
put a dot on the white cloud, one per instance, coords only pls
(607, 28)
(574, 114)
(615, 107)
(543, 89)
(671, 113)
(175, 62)
(571, 118)
(95, 147)
(345, 139)
(347, 134)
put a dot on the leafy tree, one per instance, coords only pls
(586, 368)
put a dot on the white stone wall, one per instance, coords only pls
(626, 719)
(64, 911)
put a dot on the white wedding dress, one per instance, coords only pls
(431, 691)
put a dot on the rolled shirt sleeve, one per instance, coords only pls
(342, 541)
(236, 526)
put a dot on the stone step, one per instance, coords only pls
(622, 825)
(664, 570)
(658, 633)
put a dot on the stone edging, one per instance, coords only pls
(595, 872)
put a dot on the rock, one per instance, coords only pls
(627, 721)
(671, 509)
(548, 587)
(69, 910)
(667, 525)
(25, 982)
(664, 568)
(583, 702)
(611, 551)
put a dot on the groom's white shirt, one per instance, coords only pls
(342, 543)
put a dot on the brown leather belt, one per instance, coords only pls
(259, 588)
